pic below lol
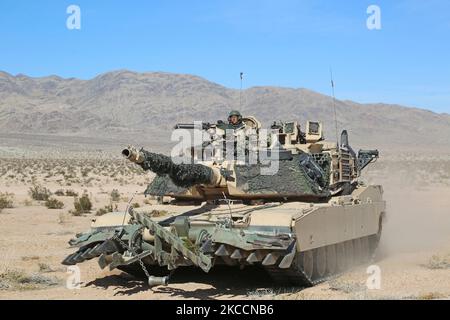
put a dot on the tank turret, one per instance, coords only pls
(307, 167)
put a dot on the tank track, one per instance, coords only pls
(290, 276)
(296, 276)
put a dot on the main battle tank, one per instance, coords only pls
(309, 220)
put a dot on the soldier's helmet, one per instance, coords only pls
(235, 113)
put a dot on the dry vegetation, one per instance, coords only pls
(11, 279)
(67, 173)
(6, 201)
(438, 262)
(64, 183)
(69, 189)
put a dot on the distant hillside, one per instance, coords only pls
(127, 104)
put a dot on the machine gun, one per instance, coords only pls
(192, 126)
(365, 157)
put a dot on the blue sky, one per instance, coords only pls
(288, 43)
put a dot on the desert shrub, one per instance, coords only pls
(106, 209)
(136, 205)
(158, 213)
(346, 287)
(115, 195)
(54, 204)
(71, 193)
(19, 280)
(438, 262)
(43, 267)
(39, 193)
(6, 201)
(102, 211)
(60, 193)
(82, 205)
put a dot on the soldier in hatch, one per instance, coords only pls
(237, 133)
(235, 120)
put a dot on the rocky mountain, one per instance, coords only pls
(124, 104)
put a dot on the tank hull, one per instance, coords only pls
(298, 243)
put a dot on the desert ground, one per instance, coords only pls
(414, 255)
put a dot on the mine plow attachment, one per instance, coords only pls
(96, 244)
(224, 245)
(89, 252)
(179, 248)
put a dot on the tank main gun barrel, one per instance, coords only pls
(182, 175)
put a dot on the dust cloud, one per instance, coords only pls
(416, 219)
(418, 210)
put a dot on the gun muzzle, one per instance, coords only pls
(132, 154)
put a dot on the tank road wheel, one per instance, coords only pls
(365, 250)
(320, 262)
(341, 259)
(349, 254)
(307, 263)
(331, 259)
(357, 257)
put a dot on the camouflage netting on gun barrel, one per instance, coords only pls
(291, 180)
(182, 175)
(163, 185)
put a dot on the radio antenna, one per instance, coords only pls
(334, 105)
(240, 91)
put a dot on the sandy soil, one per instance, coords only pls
(34, 239)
